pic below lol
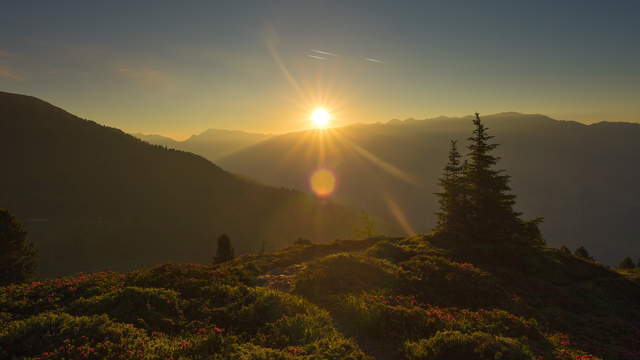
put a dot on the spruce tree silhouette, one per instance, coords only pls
(17, 255)
(225, 250)
(452, 198)
(492, 217)
(476, 203)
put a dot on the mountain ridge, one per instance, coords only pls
(94, 198)
(561, 169)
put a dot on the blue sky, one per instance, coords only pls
(179, 67)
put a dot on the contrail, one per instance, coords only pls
(323, 52)
(317, 57)
(374, 60)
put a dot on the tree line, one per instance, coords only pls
(476, 207)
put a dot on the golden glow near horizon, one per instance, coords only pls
(320, 118)
(323, 182)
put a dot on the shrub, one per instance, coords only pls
(454, 345)
(296, 330)
(148, 308)
(344, 273)
(29, 299)
(390, 250)
(334, 348)
(384, 319)
(188, 280)
(251, 309)
(389, 321)
(439, 281)
(60, 333)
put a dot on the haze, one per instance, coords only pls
(177, 68)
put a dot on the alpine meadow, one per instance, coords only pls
(320, 180)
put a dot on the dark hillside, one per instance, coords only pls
(93, 197)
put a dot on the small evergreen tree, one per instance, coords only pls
(17, 255)
(225, 250)
(491, 205)
(452, 199)
(627, 263)
(475, 202)
(565, 250)
(583, 253)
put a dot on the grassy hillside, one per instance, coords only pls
(94, 198)
(380, 298)
(581, 178)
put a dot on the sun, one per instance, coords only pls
(320, 118)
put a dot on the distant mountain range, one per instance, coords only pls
(213, 144)
(95, 198)
(583, 179)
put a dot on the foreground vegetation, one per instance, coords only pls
(482, 286)
(383, 298)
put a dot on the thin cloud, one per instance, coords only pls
(145, 75)
(317, 57)
(8, 73)
(324, 52)
(375, 60)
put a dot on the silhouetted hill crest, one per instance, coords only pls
(115, 202)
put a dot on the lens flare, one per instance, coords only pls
(322, 182)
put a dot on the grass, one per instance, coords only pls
(411, 298)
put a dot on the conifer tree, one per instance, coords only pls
(583, 253)
(17, 255)
(225, 250)
(565, 250)
(627, 263)
(451, 216)
(475, 202)
(491, 205)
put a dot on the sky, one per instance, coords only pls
(179, 67)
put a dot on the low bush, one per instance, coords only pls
(437, 280)
(26, 300)
(455, 345)
(344, 273)
(390, 250)
(148, 308)
(390, 321)
(63, 336)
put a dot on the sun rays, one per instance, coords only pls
(321, 149)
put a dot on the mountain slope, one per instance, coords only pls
(417, 298)
(93, 197)
(212, 144)
(581, 178)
